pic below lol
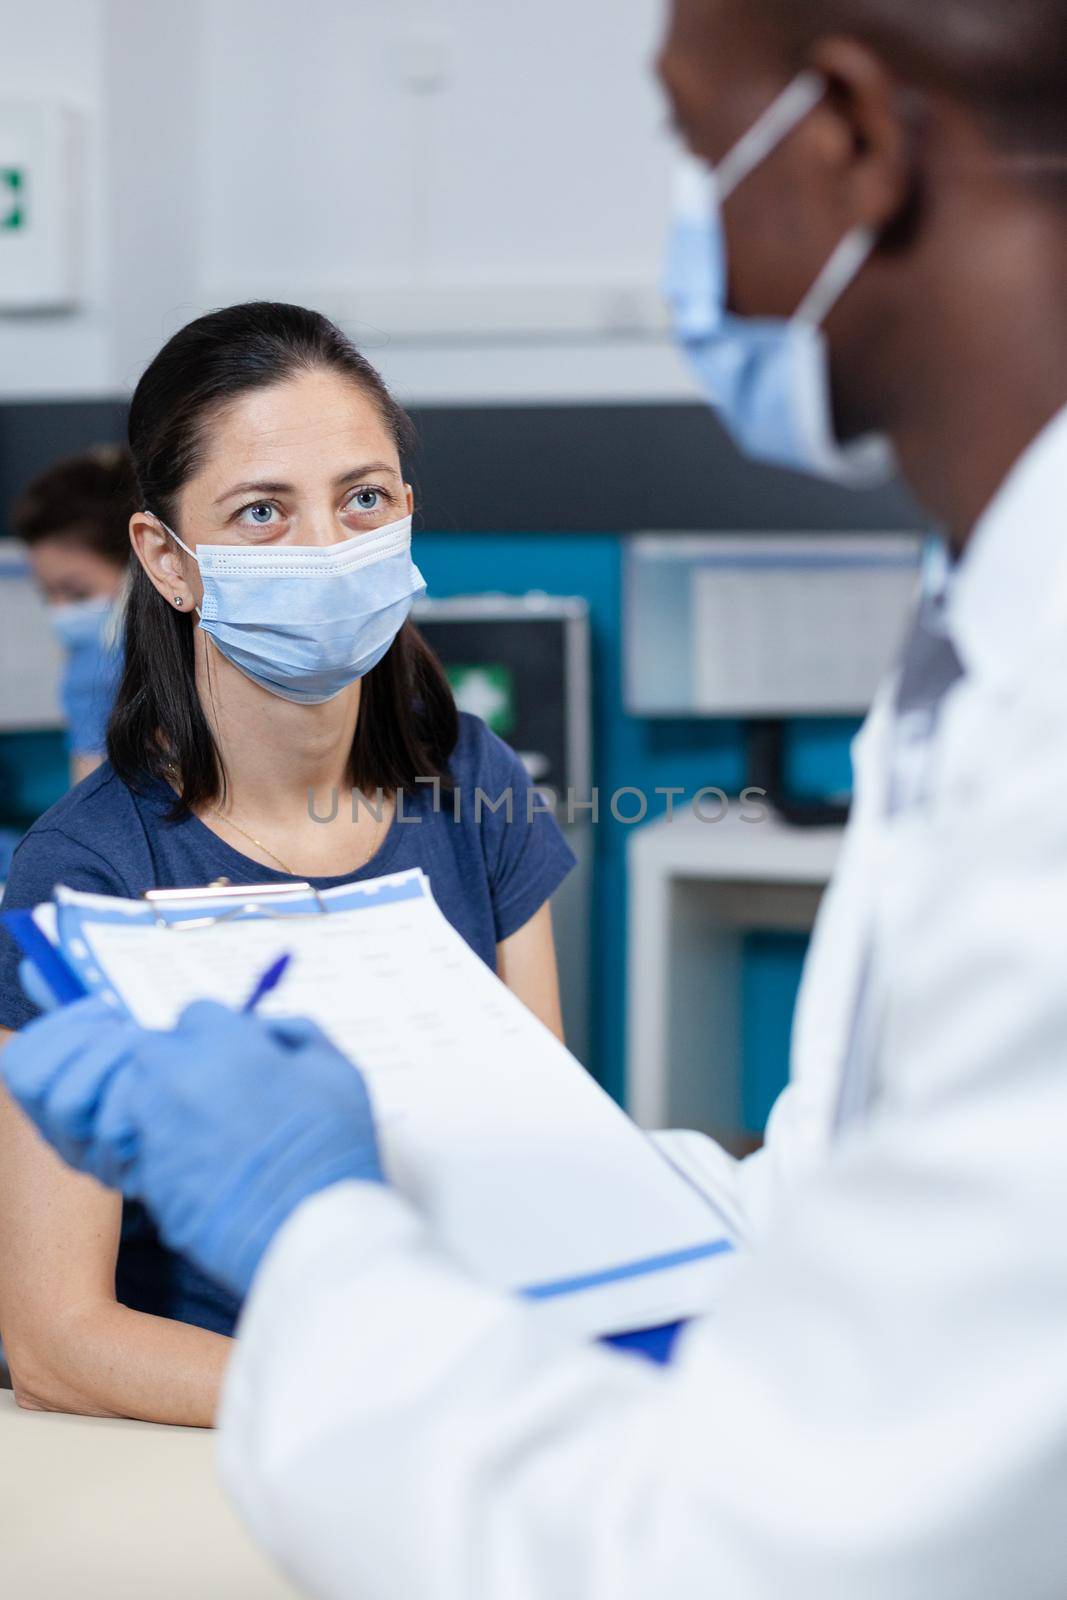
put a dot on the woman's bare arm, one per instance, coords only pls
(70, 1346)
(527, 964)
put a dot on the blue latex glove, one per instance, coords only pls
(221, 1127)
(35, 987)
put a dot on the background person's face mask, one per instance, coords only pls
(82, 624)
(305, 621)
(89, 635)
(768, 378)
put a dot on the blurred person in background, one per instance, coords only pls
(74, 522)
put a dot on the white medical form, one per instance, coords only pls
(533, 1176)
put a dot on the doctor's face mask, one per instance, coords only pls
(305, 621)
(768, 378)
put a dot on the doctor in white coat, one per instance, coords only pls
(878, 1406)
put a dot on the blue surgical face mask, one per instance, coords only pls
(768, 378)
(89, 632)
(82, 622)
(305, 621)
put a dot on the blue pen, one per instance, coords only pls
(269, 981)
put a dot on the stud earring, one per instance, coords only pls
(178, 601)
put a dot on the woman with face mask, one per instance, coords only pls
(279, 718)
(73, 520)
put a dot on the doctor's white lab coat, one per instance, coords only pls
(877, 1409)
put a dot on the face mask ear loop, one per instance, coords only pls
(190, 553)
(167, 529)
(772, 129)
(843, 267)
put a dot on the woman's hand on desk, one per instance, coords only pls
(221, 1127)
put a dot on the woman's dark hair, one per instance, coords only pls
(84, 501)
(407, 726)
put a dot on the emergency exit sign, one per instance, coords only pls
(12, 197)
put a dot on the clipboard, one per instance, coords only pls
(60, 972)
(56, 946)
(529, 1172)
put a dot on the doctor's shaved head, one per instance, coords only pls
(1007, 59)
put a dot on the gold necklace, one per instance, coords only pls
(236, 826)
(267, 851)
(172, 774)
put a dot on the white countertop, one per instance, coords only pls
(734, 850)
(102, 1510)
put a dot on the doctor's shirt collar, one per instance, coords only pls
(1008, 584)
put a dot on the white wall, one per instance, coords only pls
(156, 157)
(477, 189)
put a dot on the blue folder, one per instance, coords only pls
(53, 966)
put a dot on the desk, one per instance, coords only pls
(102, 1510)
(696, 888)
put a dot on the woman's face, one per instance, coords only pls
(308, 461)
(67, 571)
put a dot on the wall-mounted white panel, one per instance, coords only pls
(511, 372)
(51, 54)
(40, 201)
(550, 149)
(423, 170)
(479, 192)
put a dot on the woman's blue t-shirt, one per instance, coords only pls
(489, 876)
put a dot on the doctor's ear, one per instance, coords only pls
(867, 129)
(409, 496)
(165, 564)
